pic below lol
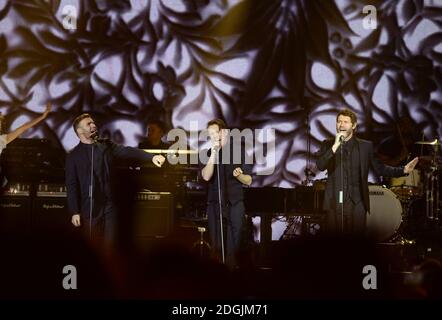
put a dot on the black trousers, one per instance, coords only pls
(233, 221)
(353, 221)
(103, 229)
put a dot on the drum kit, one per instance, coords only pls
(412, 202)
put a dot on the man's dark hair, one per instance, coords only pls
(157, 122)
(220, 123)
(2, 124)
(348, 113)
(78, 120)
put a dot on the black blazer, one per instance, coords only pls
(325, 160)
(78, 168)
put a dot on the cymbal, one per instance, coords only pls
(435, 142)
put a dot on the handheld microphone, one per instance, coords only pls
(216, 148)
(342, 139)
(94, 137)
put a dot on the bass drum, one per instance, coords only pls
(385, 215)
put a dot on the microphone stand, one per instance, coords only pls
(91, 193)
(91, 185)
(220, 207)
(341, 192)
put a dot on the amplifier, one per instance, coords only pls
(18, 190)
(153, 214)
(15, 214)
(50, 213)
(51, 190)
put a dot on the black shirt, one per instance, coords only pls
(231, 188)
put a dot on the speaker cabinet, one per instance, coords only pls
(50, 214)
(15, 214)
(153, 215)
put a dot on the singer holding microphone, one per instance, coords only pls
(89, 179)
(347, 160)
(225, 180)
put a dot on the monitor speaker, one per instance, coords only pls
(153, 214)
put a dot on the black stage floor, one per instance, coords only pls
(180, 266)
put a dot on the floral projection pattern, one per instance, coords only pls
(283, 64)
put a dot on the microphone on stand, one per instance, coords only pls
(216, 148)
(341, 192)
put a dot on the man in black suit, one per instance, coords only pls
(91, 200)
(346, 197)
(226, 192)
